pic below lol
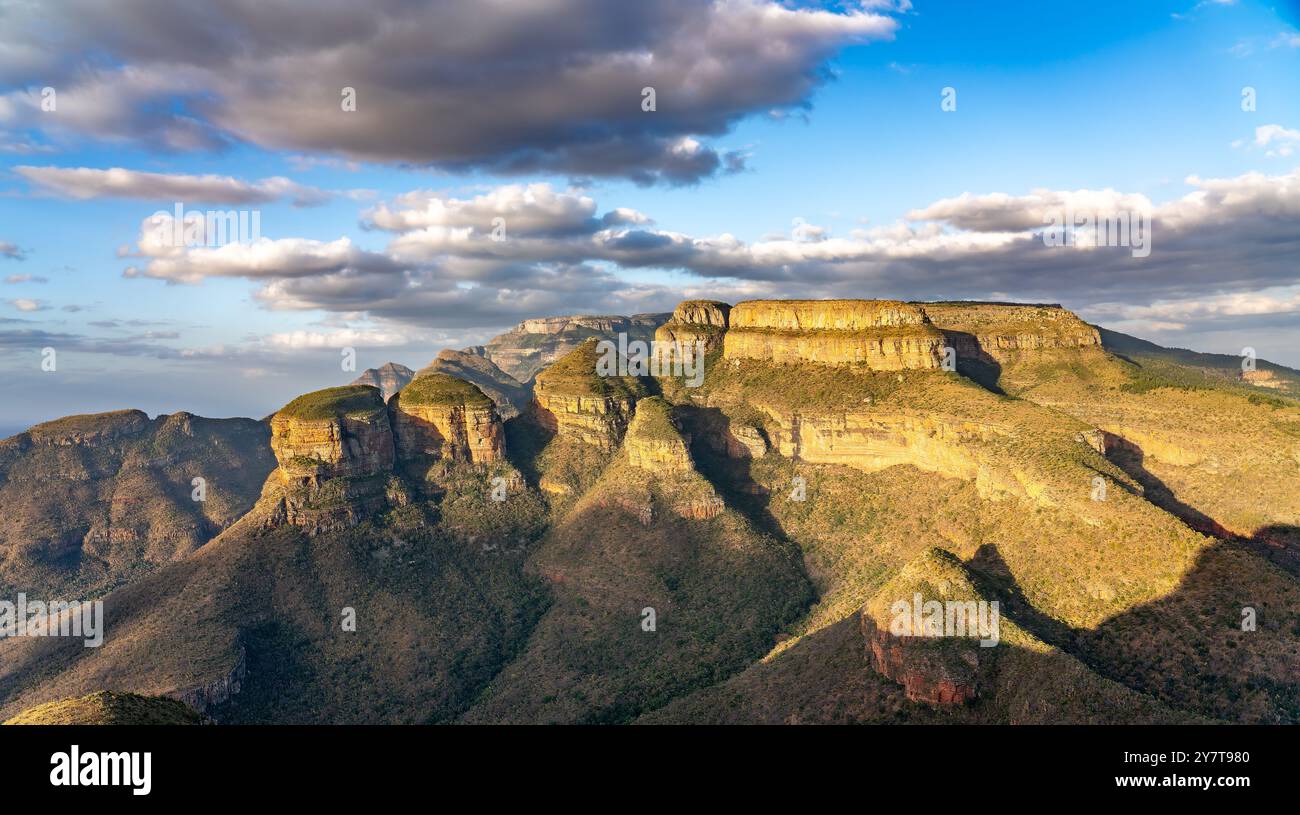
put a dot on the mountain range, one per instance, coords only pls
(514, 535)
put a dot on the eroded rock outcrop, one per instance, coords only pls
(884, 335)
(335, 453)
(653, 442)
(439, 417)
(658, 470)
(702, 321)
(572, 399)
(924, 630)
(344, 455)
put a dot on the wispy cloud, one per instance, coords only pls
(86, 182)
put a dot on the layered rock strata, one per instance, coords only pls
(883, 335)
(335, 453)
(341, 451)
(998, 330)
(441, 417)
(572, 399)
(702, 321)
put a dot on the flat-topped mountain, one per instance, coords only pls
(632, 547)
(881, 335)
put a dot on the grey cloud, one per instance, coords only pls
(87, 182)
(547, 86)
(1229, 235)
(38, 338)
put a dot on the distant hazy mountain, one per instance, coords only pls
(389, 378)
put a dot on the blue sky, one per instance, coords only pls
(1129, 97)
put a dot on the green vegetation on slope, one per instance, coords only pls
(346, 400)
(442, 389)
(109, 708)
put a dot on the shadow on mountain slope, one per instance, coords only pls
(1130, 458)
(1279, 543)
(1182, 658)
(1188, 649)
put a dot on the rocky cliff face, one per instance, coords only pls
(441, 417)
(997, 330)
(657, 473)
(934, 664)
(654, 443)
(873, 441)
(218, 691)
(693, 321)
(389, 378)
(881, 335)
(335, 452)
(573, 400)
(343, 453)
(535, 344)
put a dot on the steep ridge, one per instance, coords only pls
(657, 473)
(91, 501)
